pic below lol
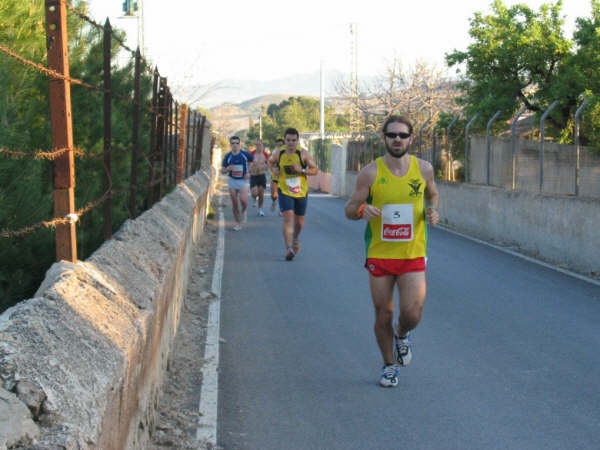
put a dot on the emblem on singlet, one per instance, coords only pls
(415, 185)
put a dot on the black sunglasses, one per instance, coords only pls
(395, 135)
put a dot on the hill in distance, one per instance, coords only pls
(231, 118)
(239, 91)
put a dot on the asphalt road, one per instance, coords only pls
(506, 355)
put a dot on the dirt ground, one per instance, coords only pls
(177, 416)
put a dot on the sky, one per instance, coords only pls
(201, 42)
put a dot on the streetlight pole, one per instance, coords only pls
(322, 127)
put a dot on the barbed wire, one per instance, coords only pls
(53, 74)
(49, 72)
(74, 217)
(82, 15)
(41, 154)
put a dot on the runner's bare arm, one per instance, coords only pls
(311, 166)
(365, 180)
(273, 162)
(432, 196)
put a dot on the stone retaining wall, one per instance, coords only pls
(81, 363)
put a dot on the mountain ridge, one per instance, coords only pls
(239, 91)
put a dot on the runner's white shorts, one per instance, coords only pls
(237, 184)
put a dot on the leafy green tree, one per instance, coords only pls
(302, 113)
(518, 56)
(581, 75)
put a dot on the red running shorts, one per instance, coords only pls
(381, 267)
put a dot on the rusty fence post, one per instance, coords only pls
(62, 130)
(168, 131)
(181, 159)
(163, 137)
(107, 207)
(153, 141)
(175, 146)
(194, 126)
(200, 145)
(186, 172)
(135, 134)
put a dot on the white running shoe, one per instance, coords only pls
(402, 350)
(237, 227)
(389, 376)
(261, 213)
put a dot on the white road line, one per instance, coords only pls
(206, 433)
(525, 257)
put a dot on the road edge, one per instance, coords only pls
(209, 391)
(522, 256)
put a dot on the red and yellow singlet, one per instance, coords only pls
(400, 232)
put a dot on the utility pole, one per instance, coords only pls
(260, 122)
(322, 124)
(354, 92)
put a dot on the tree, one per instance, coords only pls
(302, 113)
(26, 190)
(581, 74)
(421, 92)
(518, 56)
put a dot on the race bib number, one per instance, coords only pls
(238, 170)
(293, 185)
(397, 223)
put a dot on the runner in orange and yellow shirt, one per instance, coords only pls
(396, 194)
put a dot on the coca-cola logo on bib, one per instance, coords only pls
(403, 231)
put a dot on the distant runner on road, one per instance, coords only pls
(396, 194)
(235, 164)
(258, 177)
(291, 166)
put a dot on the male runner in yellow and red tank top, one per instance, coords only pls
(396, 194)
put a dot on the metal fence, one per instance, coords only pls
(503, 161)
(562, 172)
(176, 141)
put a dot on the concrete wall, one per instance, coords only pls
(82, 362)
(561, 229)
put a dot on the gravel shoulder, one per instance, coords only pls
(177, 414)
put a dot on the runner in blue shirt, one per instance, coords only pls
(235, 164)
